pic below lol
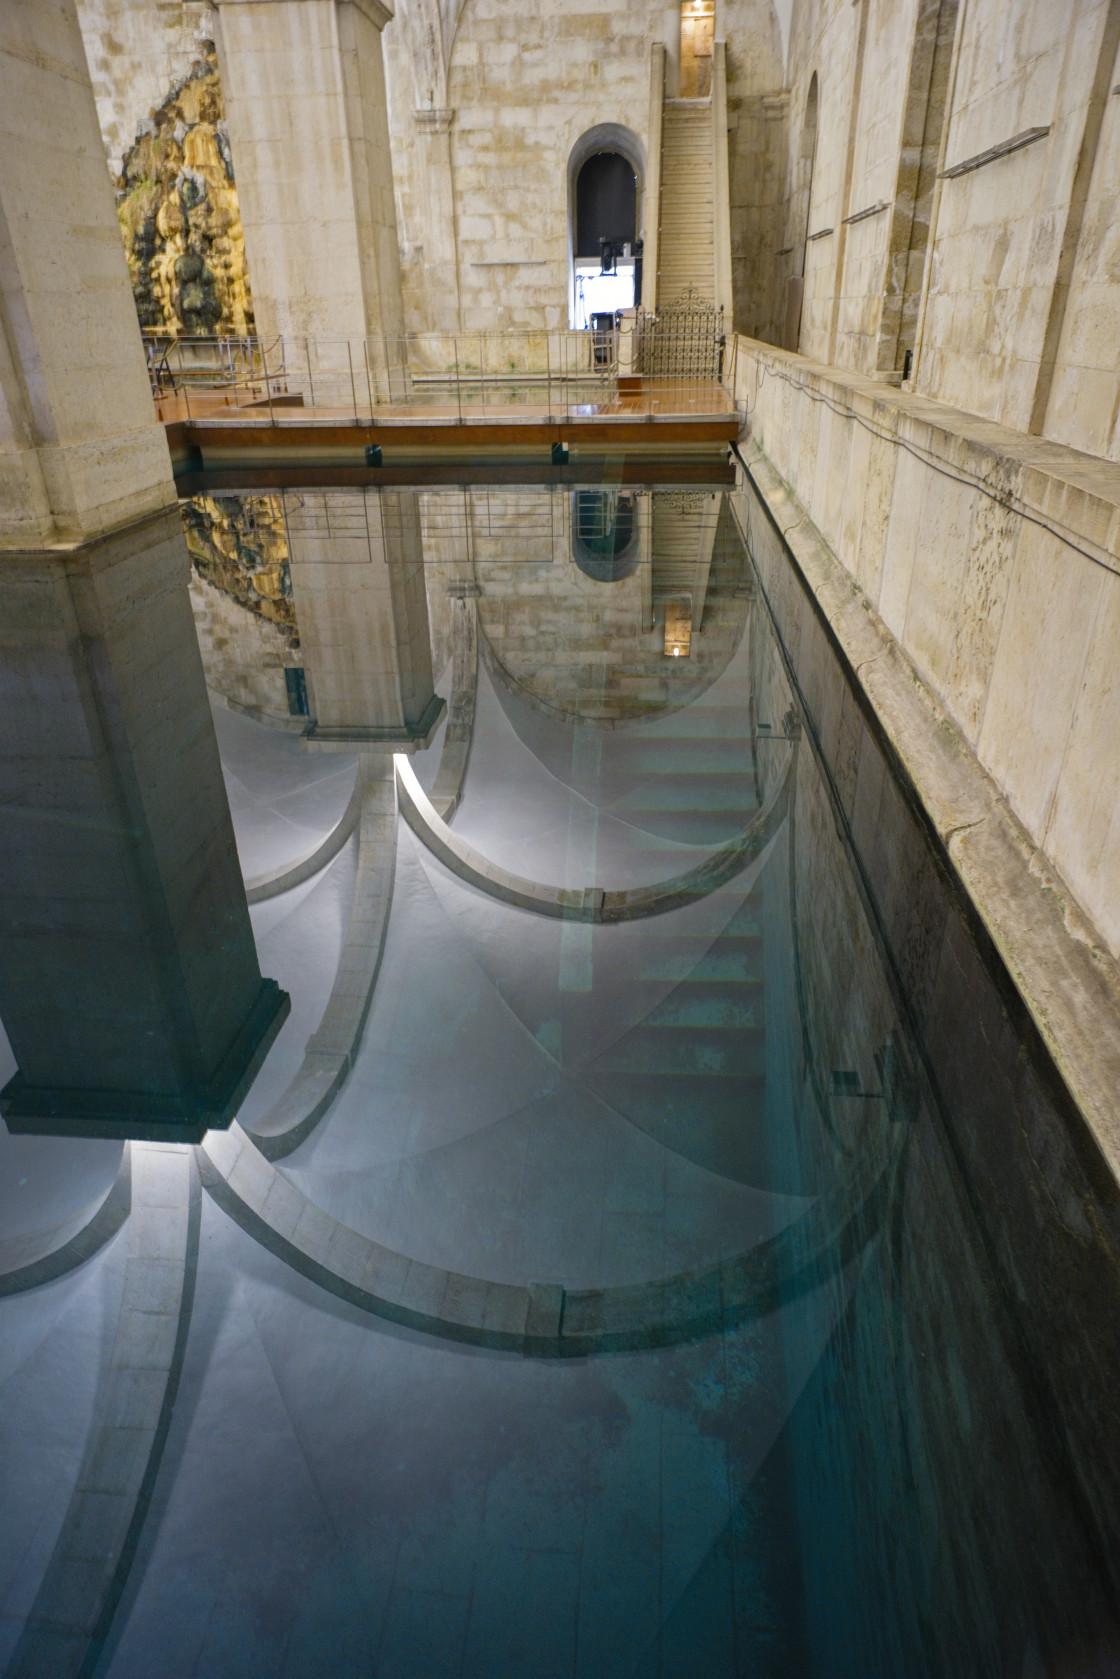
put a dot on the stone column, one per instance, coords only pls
(129, 985)
(304, 86)
(357, 564)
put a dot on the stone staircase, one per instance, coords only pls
(695, 787)
(692, 1073)
(686, 250)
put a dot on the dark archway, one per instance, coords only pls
(605, 172)
(606, 203)
(604, 534)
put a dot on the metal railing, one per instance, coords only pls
(558, 372)
(551, 370)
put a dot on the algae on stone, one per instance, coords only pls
(179, 215)
(238, 544)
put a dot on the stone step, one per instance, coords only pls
(716, 971)
(688, 1052)
(718, 1124)
(710, 1008)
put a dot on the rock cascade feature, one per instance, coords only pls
(180, 218)
(238, 544)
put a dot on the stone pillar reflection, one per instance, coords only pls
(304, 85)
(357, 564)
(129, 984)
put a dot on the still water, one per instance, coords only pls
(880, 1446)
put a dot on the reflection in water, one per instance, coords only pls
(604, 534)
(796, 1126)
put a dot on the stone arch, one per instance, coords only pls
(603, 137)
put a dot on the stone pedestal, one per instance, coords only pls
(357, 564)
(129, 984)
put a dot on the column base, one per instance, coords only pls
(407, 738)
(145, 1116)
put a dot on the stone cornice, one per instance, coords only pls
(437, 119)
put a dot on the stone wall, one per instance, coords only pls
(757, 112)
(576, 646)
(482, 137)
(999, 229)
(964, 1400)
(243, 655)
(136, 51)
(991, 557)
(1012, 313)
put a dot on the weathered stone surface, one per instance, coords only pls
(179, 214)
(991, 557)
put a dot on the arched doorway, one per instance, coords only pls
(604, 219)
(605, 534)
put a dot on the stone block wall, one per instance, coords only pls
(525, 86)
(243, 655)
(488, 162)
(999, 229)
(1017, 314)
(991, 557)
(136, 52)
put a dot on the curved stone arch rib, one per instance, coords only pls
(28, 1261)
(332, 1047)
(372, 809)
(451, 16)
(447, 789)
(260, 887)
(73, 1610)
(591, 903)
(546, 1319)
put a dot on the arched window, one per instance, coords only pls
(604, 534)
(604, 216)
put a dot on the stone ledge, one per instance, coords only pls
(1091, 485)
(1068, 981)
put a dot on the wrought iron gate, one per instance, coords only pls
(684, 340)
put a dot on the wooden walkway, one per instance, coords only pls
(664, 432)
